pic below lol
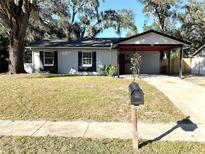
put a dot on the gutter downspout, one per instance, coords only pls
(111, 46)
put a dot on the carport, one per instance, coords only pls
(150, 45)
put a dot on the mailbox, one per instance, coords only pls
(136, 94)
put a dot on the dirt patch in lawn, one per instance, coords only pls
(51, 97)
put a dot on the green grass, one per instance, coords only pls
(49, 97)
(44, 145)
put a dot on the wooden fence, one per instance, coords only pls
(175, 65)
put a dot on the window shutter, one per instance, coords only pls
(56, 61)
(80, 61)
(94, 62)
(41, 61)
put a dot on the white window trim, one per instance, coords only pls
(87, 65)
(44, 59)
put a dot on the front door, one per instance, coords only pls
(122, 63)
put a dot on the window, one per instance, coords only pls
(48, 59)
(87, 59)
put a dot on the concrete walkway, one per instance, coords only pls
(171, 131)
(186, 96)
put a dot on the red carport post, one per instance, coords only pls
(181, 62)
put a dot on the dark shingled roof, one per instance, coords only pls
(95, 42)
(91, 43)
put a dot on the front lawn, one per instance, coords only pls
(43, 145)
(198, 80)
(50, 97)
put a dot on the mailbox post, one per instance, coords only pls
(136, 99)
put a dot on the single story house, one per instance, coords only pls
(198, 61)
(88, 56)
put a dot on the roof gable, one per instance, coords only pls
(152, 37)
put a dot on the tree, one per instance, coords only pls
(46, 20)
(82, 20)
(76, 19)
(14, 15)
(193, 23)
(136, 62)
(119, 20)
(163, 12)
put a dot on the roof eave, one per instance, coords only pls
(40, 47)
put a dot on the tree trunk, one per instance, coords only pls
(16, 56)
(16, 15)
(17, 45)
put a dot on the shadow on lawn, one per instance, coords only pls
(50, 75)
(57, 75)
(185, 124)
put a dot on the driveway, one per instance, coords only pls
(186, 96)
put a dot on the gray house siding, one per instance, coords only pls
(66, 61)
(69, 59)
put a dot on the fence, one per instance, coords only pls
(198, 65)
(175, 65)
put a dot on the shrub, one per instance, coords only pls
(109, 70)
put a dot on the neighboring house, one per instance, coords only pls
(88, 56)
(198, 61)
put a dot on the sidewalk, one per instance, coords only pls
(171, 131)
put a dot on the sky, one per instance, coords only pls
(124, 4)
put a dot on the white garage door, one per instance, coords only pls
(150, 62)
